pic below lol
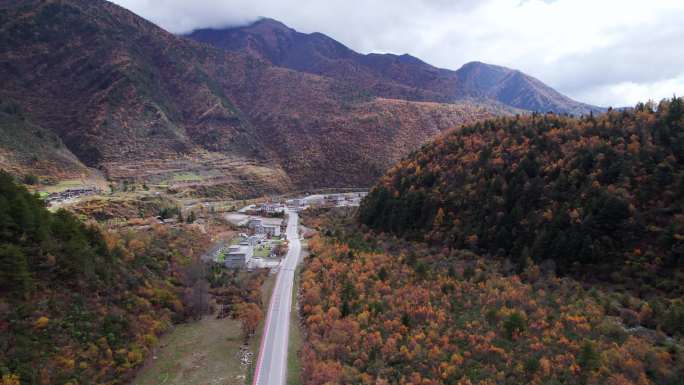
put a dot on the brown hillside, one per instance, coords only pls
(138, 102)
(389, 75)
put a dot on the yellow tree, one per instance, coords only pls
(250, 315)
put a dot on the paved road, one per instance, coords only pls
(271, 368)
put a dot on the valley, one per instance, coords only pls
(243, 203)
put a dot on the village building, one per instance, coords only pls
(268, 230)
(72, 193)
(270, 208)
(238, 256)
(295, 203)
(249, 241)
(254, 223)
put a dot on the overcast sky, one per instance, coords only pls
(604, 52)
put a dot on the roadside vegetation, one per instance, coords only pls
(221, 346)
(296, 336)
(197, 353)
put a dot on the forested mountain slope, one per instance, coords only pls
(138, 102)
(27, 149)
(78, 305)
(601, 196)
(84, 303)
(538, 249)
(380, 309)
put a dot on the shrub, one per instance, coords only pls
(30, 179)
(589, 359)
(514, 324)
(674, 318)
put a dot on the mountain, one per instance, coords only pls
(472, 252)
(119, 91)
(388, 75)
(138, 102)
(27, 148)
(600, 197)
(514, 88)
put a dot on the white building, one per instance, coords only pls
(295, 203)
(270, 207)
(252, 241)
(238, 256)
(272, 231)
(254, 223)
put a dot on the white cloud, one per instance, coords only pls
(626, 93)
(605, 52)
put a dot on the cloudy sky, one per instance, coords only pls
(604, 52)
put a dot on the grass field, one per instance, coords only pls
(202, 353)
(262, 251)
(64, 185)
(294, 369)
(187, 176)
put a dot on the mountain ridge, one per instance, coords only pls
(138, 102)
(390, 75)
(594, 195)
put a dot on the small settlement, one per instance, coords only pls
(71, 193)
(257, 246)
(264, 226)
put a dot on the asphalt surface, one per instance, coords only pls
(271, 368)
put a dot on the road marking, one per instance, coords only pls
(277, 298)
(264, 336)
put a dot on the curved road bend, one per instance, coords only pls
(271, 368)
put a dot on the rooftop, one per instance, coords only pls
(239, 249)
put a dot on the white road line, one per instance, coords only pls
(272, 362)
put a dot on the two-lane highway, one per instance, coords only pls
(271, 368)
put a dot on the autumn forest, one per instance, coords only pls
(538, 249)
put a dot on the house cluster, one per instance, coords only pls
(262, 234)
(336, 200)
(241, 255)
(271, 208)
(317, 200)
(72, 193)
